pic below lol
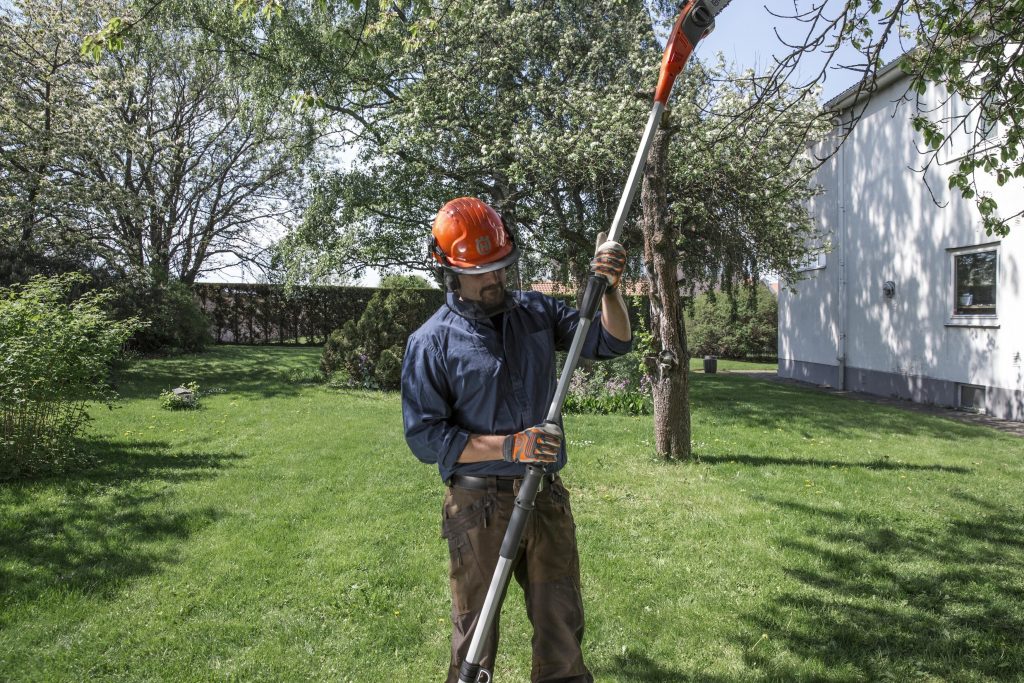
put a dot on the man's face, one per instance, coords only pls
(486, 289)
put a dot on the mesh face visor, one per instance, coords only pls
(482, 295)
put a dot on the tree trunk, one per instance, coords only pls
(669, 364)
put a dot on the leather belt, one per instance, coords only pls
(500, 483)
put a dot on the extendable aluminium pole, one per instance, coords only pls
(696, 20)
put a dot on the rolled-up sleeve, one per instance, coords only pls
(599, 344)
(426, 407)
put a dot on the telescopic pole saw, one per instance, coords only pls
(696, 20)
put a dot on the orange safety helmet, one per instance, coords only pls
(470, 238)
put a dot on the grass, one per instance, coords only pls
(728, 365)
(284, 532)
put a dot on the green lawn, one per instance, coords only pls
(727, 365)
(285, 533)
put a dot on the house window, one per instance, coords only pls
(972, 398)
(975, 275)
(988, 129)
(812, 262)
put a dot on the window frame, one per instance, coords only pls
(814, 262)
(971, 319)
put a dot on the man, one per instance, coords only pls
(477, 381)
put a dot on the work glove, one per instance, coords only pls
(538, 444)
(609, 260)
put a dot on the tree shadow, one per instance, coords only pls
(882, 463)
(637, 666)
(254, 371)
(768, 405)
(884, 602)
(92, 530)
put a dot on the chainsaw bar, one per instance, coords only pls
(716, 6)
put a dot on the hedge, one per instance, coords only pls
(267, 314)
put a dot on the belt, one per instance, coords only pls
(500, 483)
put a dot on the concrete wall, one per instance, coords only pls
(838, 328)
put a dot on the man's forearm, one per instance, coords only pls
(483, 448)
(615, 317)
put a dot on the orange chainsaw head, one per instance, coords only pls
(469, 238)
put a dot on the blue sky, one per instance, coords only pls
(745, 34)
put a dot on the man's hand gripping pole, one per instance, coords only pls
(696, 20)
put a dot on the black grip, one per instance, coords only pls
(596, 287)
(468, 672)
(521, 514)
(514, 533)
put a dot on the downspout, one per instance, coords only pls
(842, 320)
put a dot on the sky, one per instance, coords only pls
(745, 33)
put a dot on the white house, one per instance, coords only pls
(911, 300)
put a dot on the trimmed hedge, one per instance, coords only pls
(267, 314)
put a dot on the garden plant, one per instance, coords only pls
(56, 350)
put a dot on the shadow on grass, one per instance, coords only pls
(876, 464)
(258, 371)
(92, 530)
(767, 405)
(895, 602)
(638, 667)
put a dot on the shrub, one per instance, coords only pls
(370, 351)
(55, 355)
(742, 324)
(388, 370)
(176, 320)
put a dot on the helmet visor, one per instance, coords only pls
(484, 295)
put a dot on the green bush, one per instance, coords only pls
(177, 323)
(370, 351)
(743, 324)
(55, 355)
(388, 370)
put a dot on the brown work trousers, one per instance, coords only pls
(547, 567)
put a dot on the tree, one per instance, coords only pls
(741, 323)
(533, 107)
(176, 165)
(530, 106)
(720, 203)
(47, 125)
(210, 169)
(972, 50)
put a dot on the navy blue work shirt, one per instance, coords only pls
(463, 376)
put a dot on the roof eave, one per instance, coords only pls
(887, 75)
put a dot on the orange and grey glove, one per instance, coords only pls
(609, 261)
(538, 444)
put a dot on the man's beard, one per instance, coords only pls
(492, 297)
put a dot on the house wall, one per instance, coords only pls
(837, 328)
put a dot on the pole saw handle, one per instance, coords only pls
(696, 20)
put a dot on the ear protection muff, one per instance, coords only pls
(440, 262)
